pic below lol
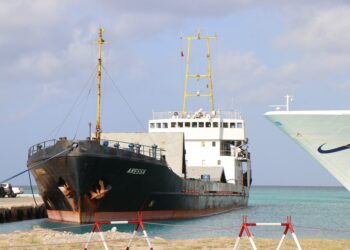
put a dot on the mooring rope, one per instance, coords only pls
(31, 187)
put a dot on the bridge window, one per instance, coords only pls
(208, 124)
(194, 124)
(226, 148)
(213, 144)
(180, 124)
(165, 125)
(232, 125)
(173, 124)
(201, 124)
(187, 124)
(215, 124)
(239, 125)
(225, 125)
(159, 125)
(151, 125)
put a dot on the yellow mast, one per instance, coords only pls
(197, 76)
(100, 42)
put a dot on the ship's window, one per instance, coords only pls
(219, 162)
(187, 124)
(173, 124)
(151, 125)
(232, 125)
(159, 125)
(239, 125)
(215, 124)
(213, 144)
(225, 125)
(194, 124)
(201, 124)
(165, 125)
(208, 124)
(203, 143)
(180, 124)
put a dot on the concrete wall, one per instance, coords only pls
(172, 143)
(22, 213)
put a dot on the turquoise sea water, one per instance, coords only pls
(317, 212)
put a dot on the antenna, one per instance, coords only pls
(289, 99)
(198, 76)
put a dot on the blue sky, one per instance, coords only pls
(265, 50)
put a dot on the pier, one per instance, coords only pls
(21, 208)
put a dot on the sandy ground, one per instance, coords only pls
(49, 239)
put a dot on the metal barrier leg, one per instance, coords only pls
(252, 242)
(281, 241)
(239, 235)
(132, 237)
(236, 243)
(145, 234)
(148, 240)
(90, 236)
(283, 236)
(296, 241)
(102, 238)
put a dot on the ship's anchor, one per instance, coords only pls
(100, 192)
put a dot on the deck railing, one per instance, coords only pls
(233, 114)
(150, 151)
(41, 145)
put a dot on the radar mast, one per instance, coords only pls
(197, 76)
(100, 42)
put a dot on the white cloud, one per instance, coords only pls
(39, 65)
(181, 8)
(325, 30)
(141, 25)
(22, 13)
(236, 70)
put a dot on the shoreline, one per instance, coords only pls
(48, 239)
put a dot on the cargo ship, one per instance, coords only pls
(189, 164)
(324, 134)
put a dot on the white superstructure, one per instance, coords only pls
(323, 134)
(215, 143)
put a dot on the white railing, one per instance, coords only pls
(233, 114)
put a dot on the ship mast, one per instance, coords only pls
(100, 42)
(198, 76)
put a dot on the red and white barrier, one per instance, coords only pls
(138, 222)
(288, 227)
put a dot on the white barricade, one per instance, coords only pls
(288, 227)
(138, 222)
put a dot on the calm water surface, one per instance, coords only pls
(317, 212)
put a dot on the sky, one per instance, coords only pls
(265, 49)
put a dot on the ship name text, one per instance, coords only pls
(139, 171)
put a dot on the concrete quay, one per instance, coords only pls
(21, 208)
